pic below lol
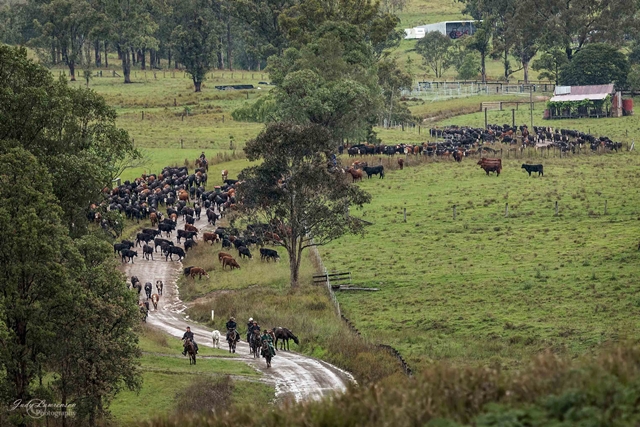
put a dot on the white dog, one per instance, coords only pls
(216, 338)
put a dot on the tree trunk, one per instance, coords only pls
(143, 55)
(96, 47)
(53, 52)
(483, 65)
(197, 85)
(152, 58)
(119, 52)
(220, 58)
(133, 56)
(106, 56)
(169, 59)
(126, 66)
(229, 55)
(525, 68)
(294, 267)
(72, 70)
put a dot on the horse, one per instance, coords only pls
(266, 352)
(202, 163)
(284, 335)
(143, 311)
(191, 350)
(233, 340)
(154, 299)
(216, 339)
(255, 342)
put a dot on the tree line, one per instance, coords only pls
(570, 42)
(67, 320)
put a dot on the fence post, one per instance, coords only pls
(143, 115)
(181, 144)
(556, 208)
(454, 212)
(506, 210)
(486, 126)
(405, 213)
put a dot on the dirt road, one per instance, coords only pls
(294, 376)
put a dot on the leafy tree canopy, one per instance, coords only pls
(295, 192)
(72, 132)
(436, 50)
(331, 82)
(596, 64)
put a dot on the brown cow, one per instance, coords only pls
(225, 174)
(458, 155)
(491, 165)
(154, 299)
(356, 174)
(174, 217)
(184, 196)
(199, 271)
(223, 255)
(210, 237)
(154, 219)
(189, 227)
(232, 263)
(401, 163)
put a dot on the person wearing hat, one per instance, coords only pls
(231, 325)
(202, 157)
(188, 334)
(269, 339)
(249, 325)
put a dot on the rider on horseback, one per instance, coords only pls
(231, 327)
(269, 339)
(189, 335)
(249, 325)
(202, 157)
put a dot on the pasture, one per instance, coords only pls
(166, 378)
(489, 289)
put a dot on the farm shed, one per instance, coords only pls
(453, 29)
(584, 101)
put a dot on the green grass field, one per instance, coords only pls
(488, 289)
(165, 377)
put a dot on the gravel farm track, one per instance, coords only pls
(294, 376)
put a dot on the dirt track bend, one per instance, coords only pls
(294, 376)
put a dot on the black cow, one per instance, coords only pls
(148, 287)
(167, 228)
(127, 242)
(186, 234)
(188, 244)
(119, 247)
(238, 243)
(244, 251)
(158, 242)
(174, 250)
(151, 231)
(212, 216)
(533, 168)
(226, 243)
(147, 251)
(128, 253)
(189, 219)
(187, 270)
(375, 170)
(143, 237)
(268, 254)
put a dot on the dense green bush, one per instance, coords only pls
(598, 391)
(261, 111)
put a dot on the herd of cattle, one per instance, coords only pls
(184, 198)
(461, 141)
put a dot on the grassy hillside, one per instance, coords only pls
(488, 289)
